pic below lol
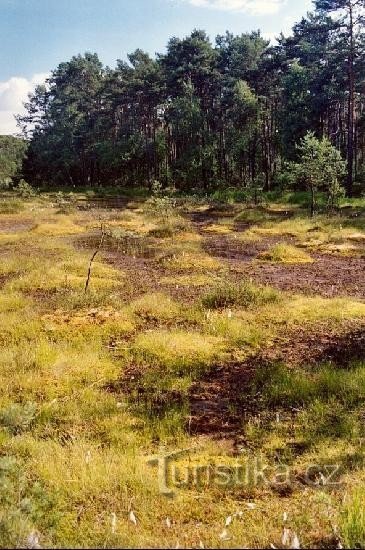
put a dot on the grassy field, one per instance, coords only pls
(233, 334)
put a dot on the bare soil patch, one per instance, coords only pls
(221, 401)
(329, 276)
(144, 272)
(15, 226)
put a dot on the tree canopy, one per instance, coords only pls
(205, 114)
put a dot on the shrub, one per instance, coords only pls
(25, 190)
(321, 167)
(18, 418)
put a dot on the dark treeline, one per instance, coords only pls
(204, 115)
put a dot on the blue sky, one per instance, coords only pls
(36, 35)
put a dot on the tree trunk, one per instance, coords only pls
(351, 106)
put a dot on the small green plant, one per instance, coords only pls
(161, 205)
(18, 418)
(245, 294)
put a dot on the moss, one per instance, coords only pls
(192, 262)
(286, 254)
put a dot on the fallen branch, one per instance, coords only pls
(103, 234)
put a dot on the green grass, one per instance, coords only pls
(245, 294)
(177, 351)
(94, 385)
(353, 519)
(299, 387)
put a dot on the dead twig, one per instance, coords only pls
(102, 238)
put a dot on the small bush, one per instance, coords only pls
(244, 295)
(66, 202)
(25, 190)
(18, 418)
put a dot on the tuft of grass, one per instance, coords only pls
(286, 254)
(218, 229)
(18, 418)
(10, 302)
(253, 216)
(330, 420)
(61, 226)
(194, 280)
(177, 351)
(306, 309)
(245, 294)
(352, 519)
(238, 332)
(188, 237)
(10, 264)
(156, 306)
(192, 262)
(68, 274)
(164, 231)
(285, 387)
(45, 370)
(11, 206)
(102, 324)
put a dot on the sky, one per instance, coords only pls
(36, 35)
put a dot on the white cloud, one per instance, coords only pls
(13, 93)
(253, 7)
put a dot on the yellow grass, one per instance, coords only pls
(92, 386)
(193, 262)
(285, 254)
